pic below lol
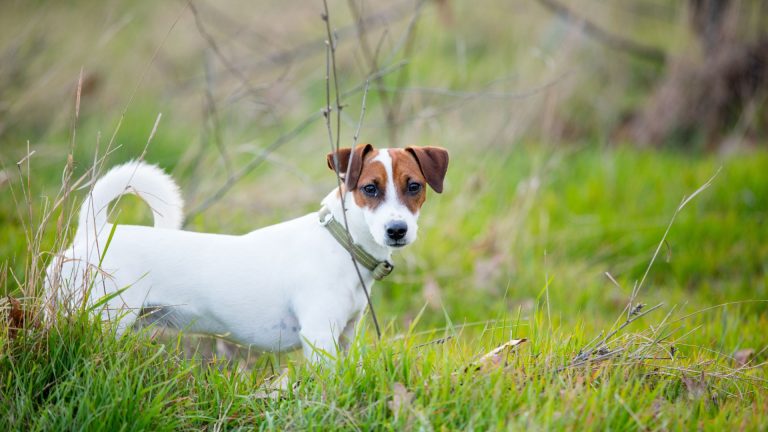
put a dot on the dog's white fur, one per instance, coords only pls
(276, 288)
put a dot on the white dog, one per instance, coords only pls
(276, 288)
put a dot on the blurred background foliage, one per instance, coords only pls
(575, 128)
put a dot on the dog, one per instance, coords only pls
(275, 289)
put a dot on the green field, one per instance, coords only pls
(541, 233)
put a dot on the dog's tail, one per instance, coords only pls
(148, 182)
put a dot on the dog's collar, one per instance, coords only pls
(380, 269)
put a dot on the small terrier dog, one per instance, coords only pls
(275, 289)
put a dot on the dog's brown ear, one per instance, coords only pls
(433, 162)
(342, 157)
(350, 163)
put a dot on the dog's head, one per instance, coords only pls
(389, 186)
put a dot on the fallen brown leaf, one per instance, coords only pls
(431, 292)
(401, 398)
(276, 387)
(697, 387)
(15, 315)
(743, 356)
(487, 272)
(495, 358)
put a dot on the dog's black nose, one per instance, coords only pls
(397, 229)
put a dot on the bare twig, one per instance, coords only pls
(210, 131)
(438, 341)
(463, 97)
(586, 354)
(212, 113)
(371, 22)
(374, 76)
(287, 137)
(372, 60)
(331, 68)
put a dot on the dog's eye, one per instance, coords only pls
(414, 188)
(370, 189)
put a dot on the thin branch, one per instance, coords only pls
(462, 99)
(684, 202)
(212, 115)
(331, 67)
(373, 21)
(473, 94)
(634, 311)
(585, 355)
(362, 115)
(372, 58)
(374, 76)
(393, 113)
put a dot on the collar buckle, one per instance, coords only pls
(382, 270)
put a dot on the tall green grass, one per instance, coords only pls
(510, 251)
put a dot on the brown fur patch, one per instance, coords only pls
(405, 170)
(373, 173)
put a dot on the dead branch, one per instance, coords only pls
(597, 349)
(254, 91)
(213, 124)
(371, 22)
(372, 60)
(407, 41)
(211, 131)
(464, 97)
(611, 40)
(250, 166)
(586, 354)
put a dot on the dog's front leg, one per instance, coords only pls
(348, 335)
(320, 338)
(320, 346)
